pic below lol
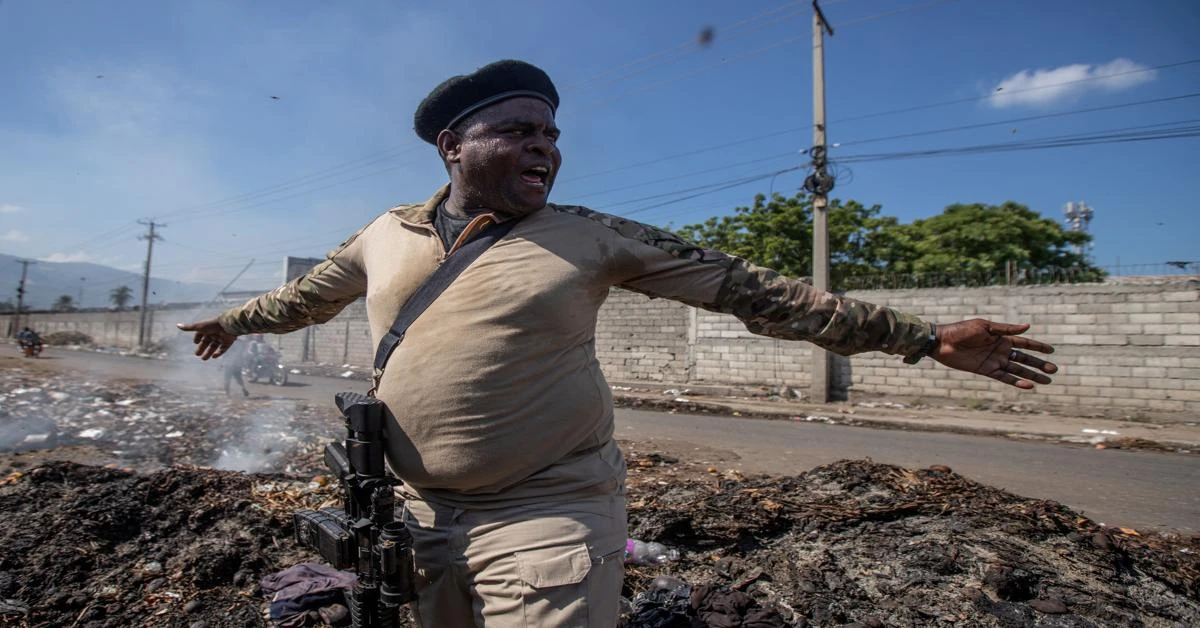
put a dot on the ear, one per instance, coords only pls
(449, 145)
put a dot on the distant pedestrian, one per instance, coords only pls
(234, 361)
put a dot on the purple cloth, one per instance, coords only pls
(304, 587)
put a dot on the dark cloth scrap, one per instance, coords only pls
(719, 607)
(305, 587)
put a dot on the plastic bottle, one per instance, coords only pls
(652, 553)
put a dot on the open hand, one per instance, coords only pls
(995, 350)
(212, 341)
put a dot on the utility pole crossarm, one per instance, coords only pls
(821, 18)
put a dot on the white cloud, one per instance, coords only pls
(1068, 82)
(78, 256)
(6, 208)
(14, 235)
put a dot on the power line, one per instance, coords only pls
(959, 101)
(1114, 136)
(300, 181)
(790, 153)
(786, 131)
(980, 125)
(233, 210)
(736, 30)
(753, 53)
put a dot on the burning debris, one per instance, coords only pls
(155, 540)
(857, 541)
(848, 542)
(145, 426)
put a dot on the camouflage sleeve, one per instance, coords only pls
(660, 264)
(311, 299)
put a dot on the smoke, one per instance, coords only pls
(263, 443)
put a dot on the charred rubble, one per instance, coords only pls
(149, 533)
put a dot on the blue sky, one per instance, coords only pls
(116, 111)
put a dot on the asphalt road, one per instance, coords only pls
(1129, 488)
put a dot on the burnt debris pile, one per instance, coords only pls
(869, 544)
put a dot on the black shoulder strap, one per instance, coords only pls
(434, 285)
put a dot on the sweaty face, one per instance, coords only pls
(506, 157)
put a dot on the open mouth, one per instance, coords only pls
(536, 176)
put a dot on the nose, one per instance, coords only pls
(540, 144)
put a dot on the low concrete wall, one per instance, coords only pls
(1119, 345)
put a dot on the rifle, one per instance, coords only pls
(363, 535)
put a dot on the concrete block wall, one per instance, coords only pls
(344, 340)
(642, 339)
(1120, 345)
(1127, 345)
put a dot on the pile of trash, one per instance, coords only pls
(856, 542)
(147, 426)
(67, 338)
(848, 543)
(92, 546)
(168, 533)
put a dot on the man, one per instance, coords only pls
(255, 352)
(28, 338)
(232, 363)
(500, 422)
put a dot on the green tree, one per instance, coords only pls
(7, 307)
(777, 233)
(64, 303)
(975, 240)
(979, 239)
(121, 297)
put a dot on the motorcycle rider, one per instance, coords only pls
(28, 338)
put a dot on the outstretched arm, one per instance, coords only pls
(660, 264)
(309, 300)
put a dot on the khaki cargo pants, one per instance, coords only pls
(547, 565)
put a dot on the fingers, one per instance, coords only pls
(1025, 373)
(1007, 329)
(1011, 380)
(1035, 362)
(1021, 342)
(208, 346)
(187, 326)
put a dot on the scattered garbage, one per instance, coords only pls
(67, 338)
(149, 426)
(648, 553)
(156, 538)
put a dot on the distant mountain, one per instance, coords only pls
(46, 281)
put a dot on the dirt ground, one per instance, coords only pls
(194, 508)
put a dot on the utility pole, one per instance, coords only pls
(21, 293)
(819, 184)
(149, 237)
(79, 301)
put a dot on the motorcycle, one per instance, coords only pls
(31, 349)
(267, 370)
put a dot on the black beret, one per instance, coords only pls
(460, 96)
